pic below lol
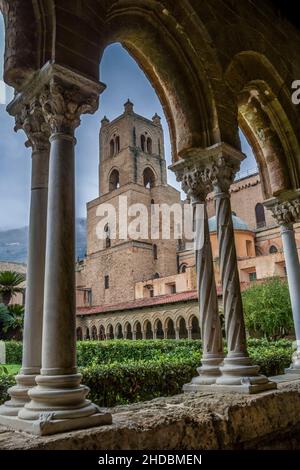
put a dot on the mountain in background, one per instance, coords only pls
(13, 243)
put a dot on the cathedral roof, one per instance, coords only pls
(238, 224)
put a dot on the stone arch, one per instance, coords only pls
(193, 323)
(79, 333)
(102, 334)
(149, 178)
(147, 329)
(119, 331)
(158, 329)
(137, 329)
(110, 331)
(127, 330)
(114, 179)
(267, 118)
(182, 328)
(94, 335)
(170, 328)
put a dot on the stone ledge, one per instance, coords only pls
(199, 420)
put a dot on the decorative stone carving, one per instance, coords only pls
(62, 106)
(287, 212)
(31, 120)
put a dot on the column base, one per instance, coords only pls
(208, 372)
(292, 370)
(19, 395)
(45, 425)
(245, 388)
(295, 365)
(238, 371)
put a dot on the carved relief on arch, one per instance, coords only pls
(269, 150)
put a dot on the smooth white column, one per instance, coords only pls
(293, 277)
(33, 317)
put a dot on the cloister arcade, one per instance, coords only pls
(215, 66)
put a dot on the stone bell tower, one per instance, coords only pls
(128, 145)
(132, 167)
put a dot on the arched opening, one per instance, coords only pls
(119, 331)
(94, 333)
(183, 332)
(273, 249)
(87, 334)
(195, 328)
(114, 180)
(117, 144)
(182, 268)
(138, 331)
(154, 251)
(148, 330)
(156, 276)
(112, 148)
(110, 332)
(102, 335)
(159, 330)
(143, 142)
(149, 145)
(170, 329)
(128, 331)
(148, 178)
(79, 334)
(107, 236)
(260, 216)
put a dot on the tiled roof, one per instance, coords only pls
(140, 303)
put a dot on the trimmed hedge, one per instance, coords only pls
(13, 352)
(120, 372)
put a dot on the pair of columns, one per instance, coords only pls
(48, 396)
(286, 213)
(213, 170)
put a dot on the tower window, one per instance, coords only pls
(149, 145)
(143, 142)
(248, 247)
(149, 178)
(107, 236)
(117, 144)
(106, 282)
(159, 151)
(154, 248)
(112, 148)
(260, 215)
(252, 276)
(114, 180)
(273, 249)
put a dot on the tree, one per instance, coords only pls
(267, 309)
(10, 285)
(12, 320)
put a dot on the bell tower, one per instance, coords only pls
(132, 167)
(131, 151)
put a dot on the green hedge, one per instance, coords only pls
(119, 372)
(13, 352)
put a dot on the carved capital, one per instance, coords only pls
(196, 184)
(31, 120)
(63, 105)
(287, 212)
(222, 173)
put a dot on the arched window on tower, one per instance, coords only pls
(107, 236)
(143, 142)
(149, 145)
(117, 144)
(260, 215)
(112, 148)
(154, 248)
(149, 178)
(273, 249)
(114, 180)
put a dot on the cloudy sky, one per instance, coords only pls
(124, 79)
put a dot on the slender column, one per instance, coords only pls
(238, 368)
(144, 335)
(58, 402)
(196, 185)
(134, 335)
(189, 330)
(31, 120)
(177, 333)
(286, 214)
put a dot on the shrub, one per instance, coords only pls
(268, 309)
(13, 352)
